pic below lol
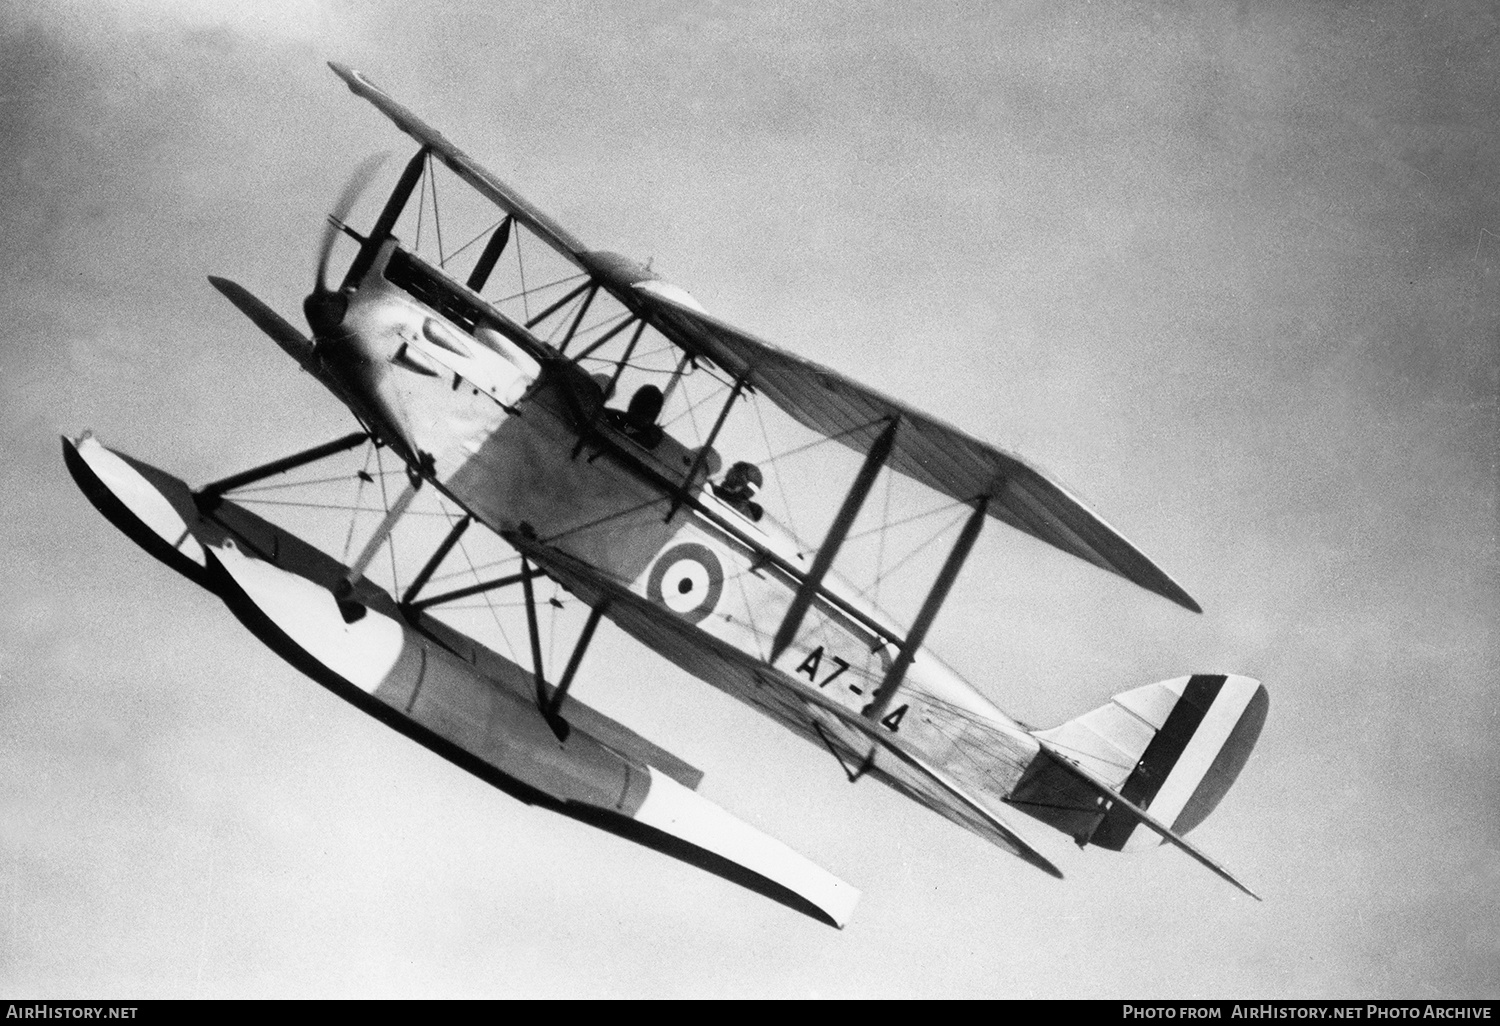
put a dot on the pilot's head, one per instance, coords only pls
(744, 478)
(644, 408)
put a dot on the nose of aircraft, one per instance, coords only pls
(324, 310)
(363, 371)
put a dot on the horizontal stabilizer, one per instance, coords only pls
(1159, 757)
(1140, 815)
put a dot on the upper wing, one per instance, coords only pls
(461, 164)
(926, 449)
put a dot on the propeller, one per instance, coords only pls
(298, 345)
(325, 307)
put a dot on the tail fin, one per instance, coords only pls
(1171, 749)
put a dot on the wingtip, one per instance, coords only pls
(1168, 589)
(230, 290)
(351, 76)
(1044, 864)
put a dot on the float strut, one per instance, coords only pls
(437, 558)
(211, 493)
(553, 708)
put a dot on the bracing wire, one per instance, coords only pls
(421, 205)
(289, 504)
(889, 524)
(459, 251)
(775, 465)
(887, 572)
(488, 604)
(691, 407)
(359, 493)
(437, 221)
(540, 288)
(521, 267)
(390, 539)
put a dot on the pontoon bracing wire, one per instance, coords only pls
(494, 613)
(390, 539)
(363, 477)
(474, 568)
(327, 505)
(239, 493)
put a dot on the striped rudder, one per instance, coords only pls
(1171, 748)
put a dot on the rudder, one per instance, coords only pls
(1172, 748)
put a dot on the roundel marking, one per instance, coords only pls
(688, 579)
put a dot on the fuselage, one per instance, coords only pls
(528, 444)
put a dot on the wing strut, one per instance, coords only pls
(806, 591)
(546, 702)
(588, 299)
(536, 638)
(388, 217)
(676, 377)
(564, 301)
(609, 390)
(707, 447)
(595, 345)
(490, 256)
(929, 611)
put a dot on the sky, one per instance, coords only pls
(1229, 271)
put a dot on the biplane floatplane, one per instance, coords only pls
(594, 495)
